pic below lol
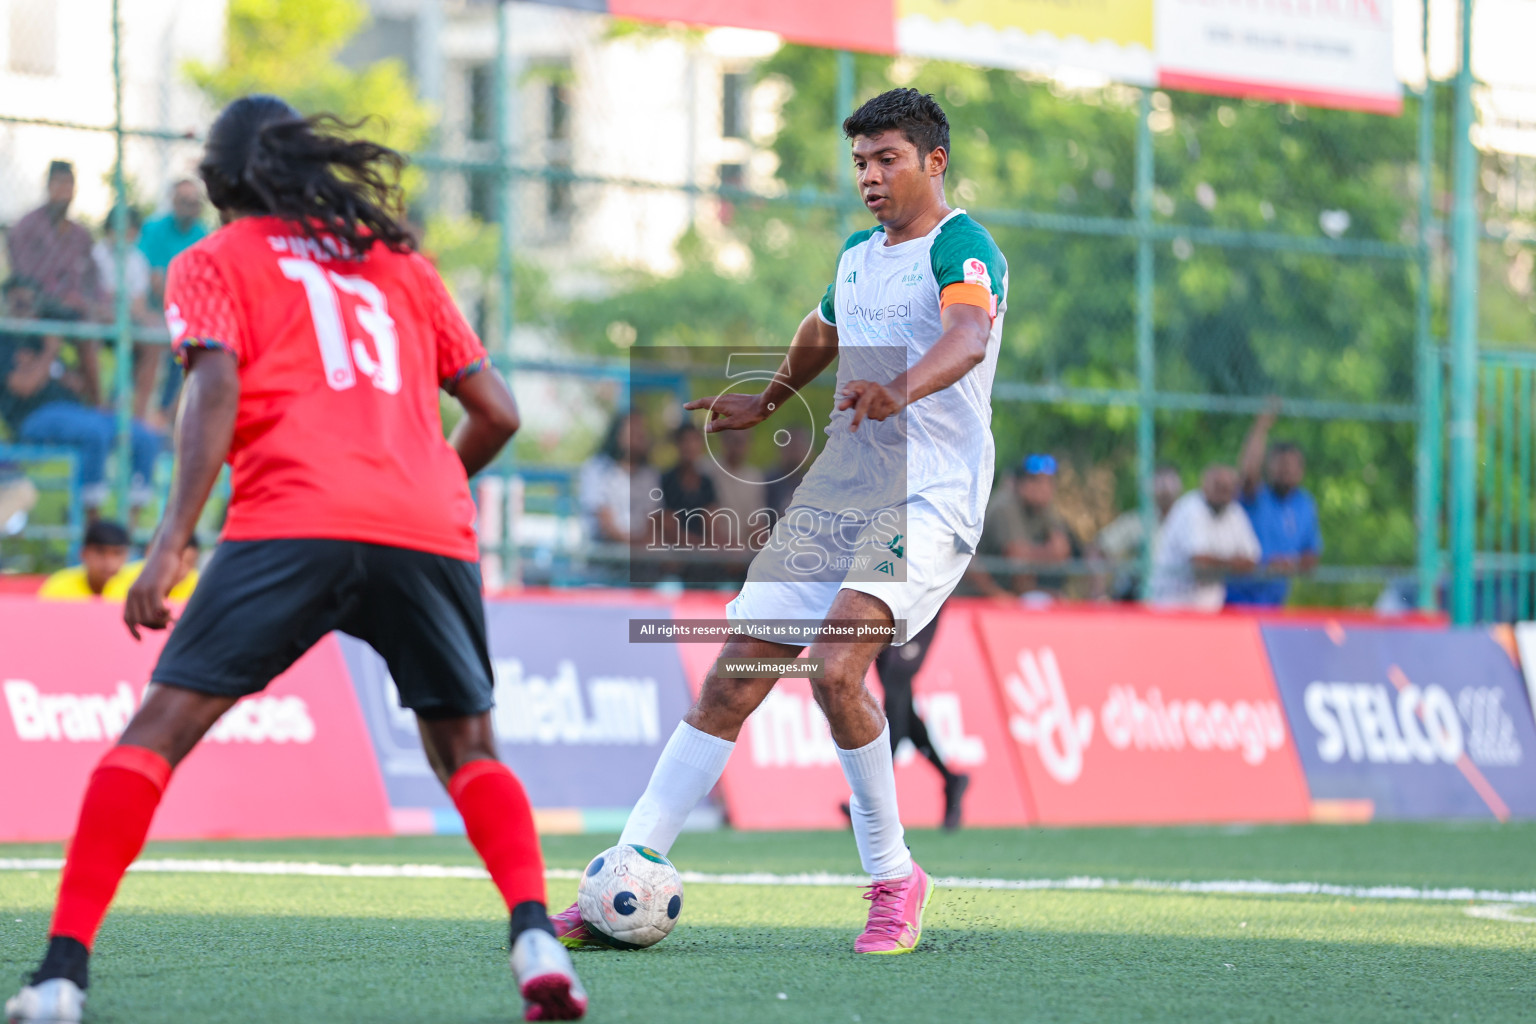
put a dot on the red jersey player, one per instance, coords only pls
(315, 341)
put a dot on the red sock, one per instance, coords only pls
(499, 822)
(119, 804)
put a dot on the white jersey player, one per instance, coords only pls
(883, 526)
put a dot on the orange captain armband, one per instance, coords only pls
(968, 293)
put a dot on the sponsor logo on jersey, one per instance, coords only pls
(852, 278)
(886, 567)
(895, 547)
(913, 276)
(976, 273)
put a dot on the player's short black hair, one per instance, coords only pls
(1286, 448)
(917, 115)
(104, 533)
(60, 169)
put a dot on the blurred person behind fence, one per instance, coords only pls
(1023, 525)
(141, 310)
(1283, 515)
(183, 583)
(1121, 542)
(41, 403)
(162, 240)
(102, 556)
(614, 487)
(54, 252)
(1205, 539)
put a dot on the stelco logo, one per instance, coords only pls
(1380, 724)
(93, 717)
(1042, 717)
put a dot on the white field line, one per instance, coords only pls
(1237, 887)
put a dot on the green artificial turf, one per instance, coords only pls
(211, 949)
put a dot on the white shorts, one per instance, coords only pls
(910, 558)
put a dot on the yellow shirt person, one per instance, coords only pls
(117, 586)
(101, 557)
(102, 572)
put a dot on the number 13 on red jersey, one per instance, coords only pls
(342, 360)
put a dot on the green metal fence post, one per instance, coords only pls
(123, 340)
(1464, 239)
(1431, 442)
(1146, 361)
(506, 101)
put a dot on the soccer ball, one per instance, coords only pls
(630, 897)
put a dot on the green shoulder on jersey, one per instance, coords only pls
(829, 300)
(961, 240)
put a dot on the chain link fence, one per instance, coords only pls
(1179, 264)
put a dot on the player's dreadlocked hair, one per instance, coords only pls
(916, 115)
(264, 157)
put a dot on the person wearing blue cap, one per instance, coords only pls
(1023, 525)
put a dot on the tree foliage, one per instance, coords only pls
(1229, 320)
(291, 48)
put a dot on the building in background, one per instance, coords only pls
(646, 106)
(56, 65)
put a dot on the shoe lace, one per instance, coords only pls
(884, 908)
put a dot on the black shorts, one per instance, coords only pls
(263, 603)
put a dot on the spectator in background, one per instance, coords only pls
(102, 557)
(790, 469)
(608, 480)
(1283, 514)
(164, 238)
(741, 492)
(1205, 539)
(687, 494)
(146, 357)
(39, 406)
(48, 247)
(1121, 541)
(54, 252)
(181, 589)
(1023, 524)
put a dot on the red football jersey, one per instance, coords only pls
(338, 434)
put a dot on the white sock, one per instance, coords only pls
(689, 767)
(876, 822)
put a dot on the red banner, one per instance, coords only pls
(1144, 718)
(846, 25)
(294, 760)
(785, 773)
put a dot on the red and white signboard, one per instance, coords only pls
(1319, 54)
(785, 773)
(1133, 719)
(292, 761)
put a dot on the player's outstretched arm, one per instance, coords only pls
(812, 350)
(204, 429)
(490, 419)
(962, 345)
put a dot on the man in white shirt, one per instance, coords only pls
(1206, 538)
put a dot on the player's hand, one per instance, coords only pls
(731, 412)
(146, 605)
(869, 400)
